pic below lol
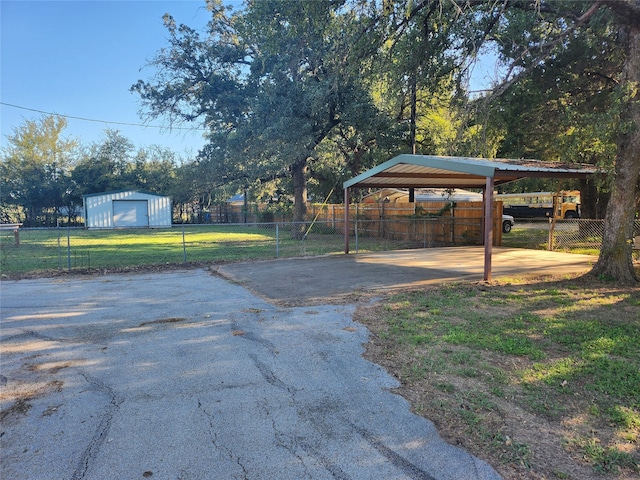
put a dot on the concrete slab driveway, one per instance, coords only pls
(184, 375)
(317, 280)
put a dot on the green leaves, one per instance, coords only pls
(35, 171)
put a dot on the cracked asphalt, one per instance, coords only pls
(186, 375)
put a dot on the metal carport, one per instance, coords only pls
(430, 171)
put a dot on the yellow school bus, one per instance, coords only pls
(561, 205)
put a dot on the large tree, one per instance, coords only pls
(615, 256)
(532, 37)
(106, 166)
(271, 82)
(154, 170)
(564, 109)
(35, 171)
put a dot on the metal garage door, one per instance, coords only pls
(130, 213)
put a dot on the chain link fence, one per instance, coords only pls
(573, 235)
(66, 249)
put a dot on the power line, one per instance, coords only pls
(98, 121)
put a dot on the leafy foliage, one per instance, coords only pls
(35, 172)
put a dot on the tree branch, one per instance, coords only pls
(545, 50)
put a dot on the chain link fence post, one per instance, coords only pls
(69, 248)
(59, 249)
(356, 227)
(184, 247)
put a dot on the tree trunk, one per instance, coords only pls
(593, 203)
(615, 259)
(414, 111)
(298, 171)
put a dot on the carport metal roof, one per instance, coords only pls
(429, 171)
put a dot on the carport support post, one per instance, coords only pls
(488, 227)
(346, 220)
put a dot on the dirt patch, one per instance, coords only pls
(51, 367)
(161, 321)
(20, 395)
(20, 407)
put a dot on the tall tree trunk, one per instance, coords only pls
(615, 259)
(414, 111)
(298, 171)
(593, 203)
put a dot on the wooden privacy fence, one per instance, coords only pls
(423, 223)
(429, 223)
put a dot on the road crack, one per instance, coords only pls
(100, 434)
(214, 440)
(411, 470)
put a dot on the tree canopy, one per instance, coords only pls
(272, 83)
(35, 170)
(570, 92)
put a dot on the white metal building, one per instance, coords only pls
(126, 209)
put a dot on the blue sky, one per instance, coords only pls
(79, 58)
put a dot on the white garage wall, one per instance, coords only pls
(98, 209)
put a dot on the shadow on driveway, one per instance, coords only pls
(337, 278)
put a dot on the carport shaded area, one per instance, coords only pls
(429, 171)
(336, 278)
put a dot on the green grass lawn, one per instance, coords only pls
(67, 249)
(534, 377)
(534, 238)
(538, 239)
(43, 250)
(78, 248)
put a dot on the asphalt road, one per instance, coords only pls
(185, 375)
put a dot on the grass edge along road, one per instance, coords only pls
(539, 378)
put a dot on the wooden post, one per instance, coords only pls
(346, 220)
(488, 227)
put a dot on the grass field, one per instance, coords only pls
(564, 241)
(43, 250)
(67, 249)
(541, 379)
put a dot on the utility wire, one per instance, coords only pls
(97, 121)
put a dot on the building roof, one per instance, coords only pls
(430, 171)
(114, 192)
